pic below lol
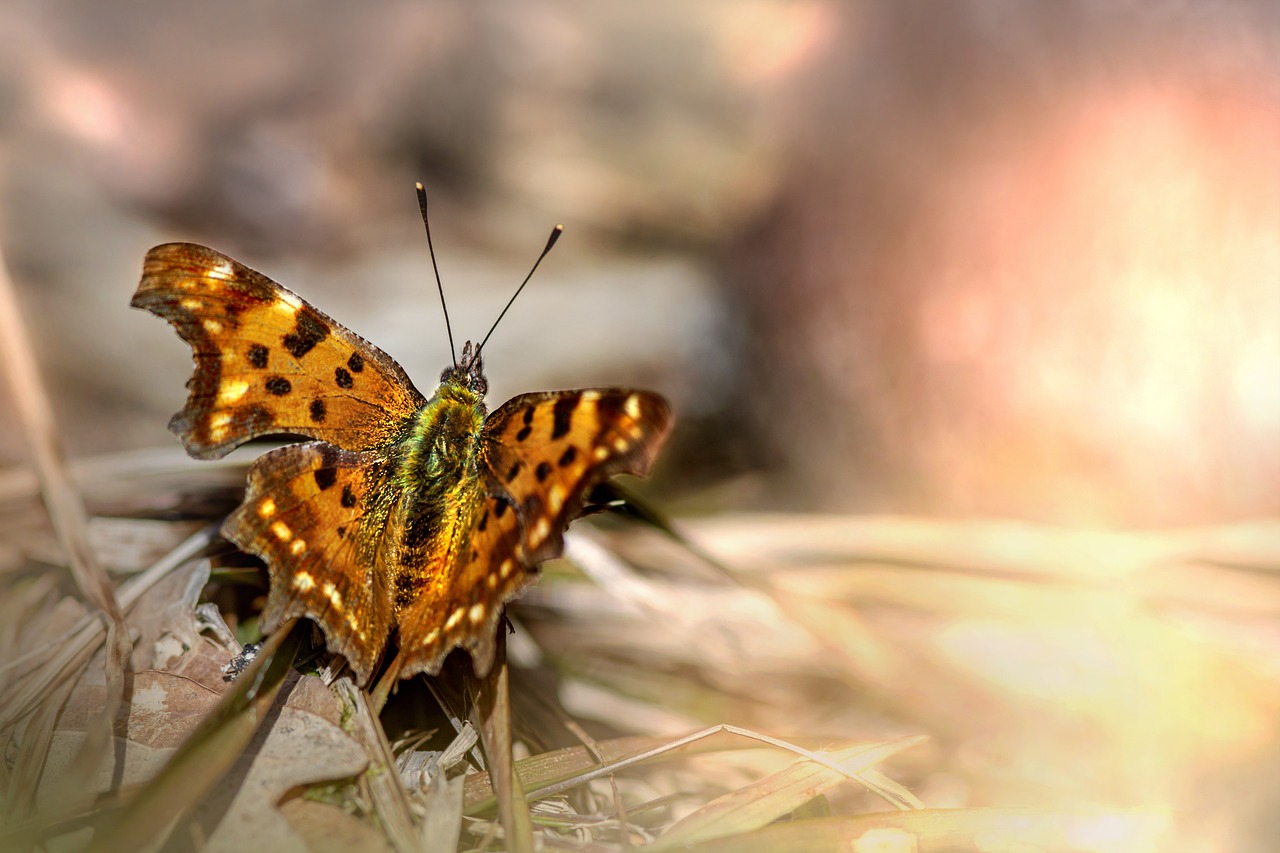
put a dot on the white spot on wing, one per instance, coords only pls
(287, 302)
(267, 508)
(232, 389)
(298, 546)
(281, 530)
(476, 614)
(454, 618)
(632, 406)
(219, 424)
(304, 581)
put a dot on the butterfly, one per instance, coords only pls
(407, 521)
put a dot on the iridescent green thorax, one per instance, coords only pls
(437, 455)
(439, 449)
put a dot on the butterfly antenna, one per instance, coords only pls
(422, 206)
(551, 241)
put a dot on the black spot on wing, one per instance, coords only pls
(348, 496)
(542, 471)
(258, 356)
(279, 386)
(562, 415)
(356, 362)
(325, 477)
(258, 419)
(307, 332)
(511, 474)
(532, 507)
(524, 432)
(318, 411)
(343, 377)
(566, 458)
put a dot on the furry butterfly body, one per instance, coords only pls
(406, 521)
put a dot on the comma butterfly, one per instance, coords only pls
(406, 517)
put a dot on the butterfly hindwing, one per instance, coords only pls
(309, 513)
(266, 361)
(544, 450)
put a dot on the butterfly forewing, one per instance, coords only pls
(266, 361)
(309, 514)
(543, 451)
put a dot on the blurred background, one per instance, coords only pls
(953, 258)
(959, 261)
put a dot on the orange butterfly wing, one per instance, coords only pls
(538, 455)
(544, 450)
(460, 602)
(268, 362)
(345, 543)
(312, 513)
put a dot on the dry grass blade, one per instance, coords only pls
(768, 799)
(442, 823)
(540, 771)
(619, 807)
(959, 831)
(66, 511)
(491, 715)
(209, 752)
(555, 772)
(70, 656)
(895, 795)
(33, 750)
(20, 600)
(387, 790)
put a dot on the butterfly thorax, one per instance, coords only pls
(439, 451)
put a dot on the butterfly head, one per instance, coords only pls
(468, 372)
